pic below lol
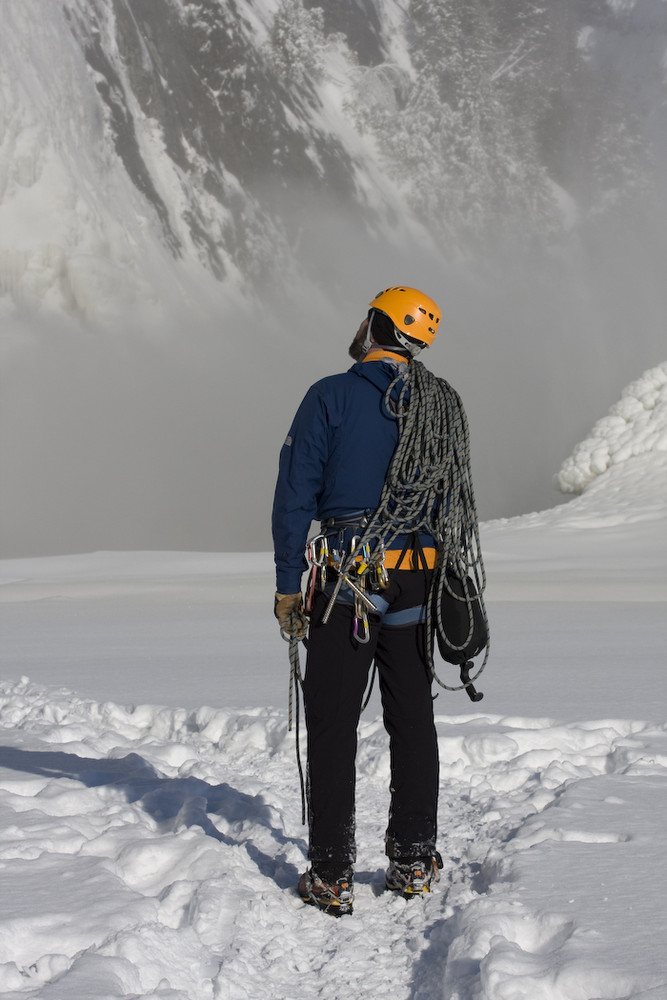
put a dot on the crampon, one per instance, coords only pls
(335, 898)
(413, 878)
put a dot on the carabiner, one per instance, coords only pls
(314, 556)
(362, 636)
(364, 565)
(318, 555)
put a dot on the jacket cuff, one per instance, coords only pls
(288, 582)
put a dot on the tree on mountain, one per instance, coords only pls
(460, 142)
(296, 43)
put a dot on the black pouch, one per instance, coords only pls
(455, 612)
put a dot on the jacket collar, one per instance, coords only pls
(381, 374)
(380, 354)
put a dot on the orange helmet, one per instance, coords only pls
(414, 315)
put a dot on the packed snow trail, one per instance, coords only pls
(153, 852)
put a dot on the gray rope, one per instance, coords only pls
(296, 682)
(429, 489)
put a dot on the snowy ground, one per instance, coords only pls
(151, 851)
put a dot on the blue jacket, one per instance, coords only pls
(334, 460)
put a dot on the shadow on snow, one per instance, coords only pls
(170, 802)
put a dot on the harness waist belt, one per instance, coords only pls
(411, 559)
(357, 520)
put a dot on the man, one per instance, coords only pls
(368, 593)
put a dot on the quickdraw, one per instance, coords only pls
(359, 570)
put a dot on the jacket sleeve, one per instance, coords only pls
(300, 483)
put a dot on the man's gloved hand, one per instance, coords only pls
(288, 609)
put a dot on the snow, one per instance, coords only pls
(77, 239)
(636, 425)
(150, 834)
(59, 249)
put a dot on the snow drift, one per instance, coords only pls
(636, 425)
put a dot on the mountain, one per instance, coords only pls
(187, 187)
(239, 126)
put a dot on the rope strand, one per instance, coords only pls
(296, 682)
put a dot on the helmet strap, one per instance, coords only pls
(408, 345)
(367, 342)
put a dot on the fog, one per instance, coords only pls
(131, 437)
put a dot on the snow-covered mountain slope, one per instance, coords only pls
(222, 136)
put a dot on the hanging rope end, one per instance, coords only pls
(472, 693)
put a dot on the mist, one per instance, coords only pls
(169, 438)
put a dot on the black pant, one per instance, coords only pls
(337, 672)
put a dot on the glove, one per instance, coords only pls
(288, 609)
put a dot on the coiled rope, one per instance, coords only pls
(429, 489)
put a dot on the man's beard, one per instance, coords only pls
(357, 349)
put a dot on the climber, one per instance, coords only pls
(371, 568)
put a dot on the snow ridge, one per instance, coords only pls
(635, 425)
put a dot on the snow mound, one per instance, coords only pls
(635, 425)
